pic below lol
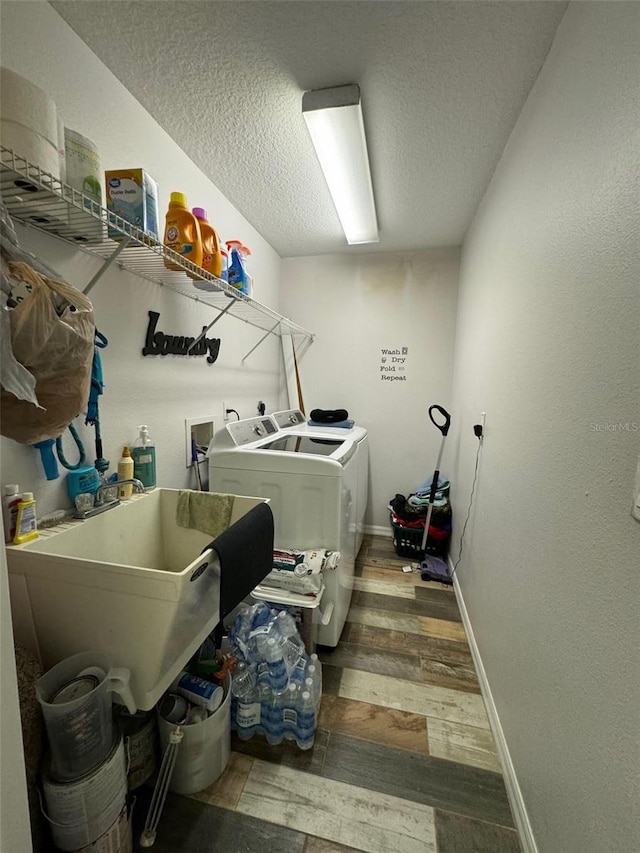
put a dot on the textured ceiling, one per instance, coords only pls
(442, 86)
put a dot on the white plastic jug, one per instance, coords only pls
(75, 696)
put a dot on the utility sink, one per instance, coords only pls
(129, 582)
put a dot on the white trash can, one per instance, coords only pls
(204, 750)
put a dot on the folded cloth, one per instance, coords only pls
(439, 500)
(245, 552)
(329, 416)
(301, 571)
(208, 512)
(443, 486)
(347, 424)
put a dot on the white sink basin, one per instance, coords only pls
(129, 582)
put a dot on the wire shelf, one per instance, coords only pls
(44, 202)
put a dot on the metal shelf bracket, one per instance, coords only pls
(108, 262)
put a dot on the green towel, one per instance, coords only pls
(208, 512)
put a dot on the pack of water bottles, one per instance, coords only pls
(276, 686)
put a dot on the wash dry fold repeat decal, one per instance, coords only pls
(159, 343)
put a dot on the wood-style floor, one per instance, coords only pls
(403, 761)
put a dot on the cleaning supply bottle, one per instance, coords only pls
(211, 256)
(247, 287)
(26, 525)
(182, 232)
(10, 499)
(125, 472)
(144, 458)
(224, 275)
(237, 267)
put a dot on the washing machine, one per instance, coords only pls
(312, 483)
(293, 421)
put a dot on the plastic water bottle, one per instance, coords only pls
(313, 682)
(266, 697)
(306, 722)
(274, 729)
(286, 633)
(291, 703)
(248, 716)
(286, 624)
(246, 702)
(239, 634)
(299, 671)
(271, 652)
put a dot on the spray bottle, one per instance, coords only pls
(144, 458)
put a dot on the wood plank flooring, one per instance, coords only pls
(403, 761)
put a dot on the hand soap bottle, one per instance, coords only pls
(144, 458)
(125, 472)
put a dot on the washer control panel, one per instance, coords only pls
(251, 429)
(288, 418)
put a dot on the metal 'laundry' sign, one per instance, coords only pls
(159, 343)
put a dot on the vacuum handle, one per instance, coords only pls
(444, 427)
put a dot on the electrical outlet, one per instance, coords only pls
(202, 430)
(225, 406)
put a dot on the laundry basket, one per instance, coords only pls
(408, 541)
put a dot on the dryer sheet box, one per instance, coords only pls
(132, 194)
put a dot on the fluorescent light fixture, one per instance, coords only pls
(334, 120)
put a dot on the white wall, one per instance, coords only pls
(159, 391)
(548, 345)
(359, 306)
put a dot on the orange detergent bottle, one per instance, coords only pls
(182, 232)
(211, 255)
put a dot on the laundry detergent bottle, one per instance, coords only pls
(182, 232)
(211, 256)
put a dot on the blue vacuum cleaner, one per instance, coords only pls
(435, 568)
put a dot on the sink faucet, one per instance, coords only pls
(99, 497)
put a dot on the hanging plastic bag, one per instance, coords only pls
(52, 335)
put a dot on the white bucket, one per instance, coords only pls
(79, 722)
(80, 812)
(117, 839)
(204, 750)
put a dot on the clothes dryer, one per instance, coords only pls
(312, 482)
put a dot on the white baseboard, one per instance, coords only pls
(514, 793)
(378, 530)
